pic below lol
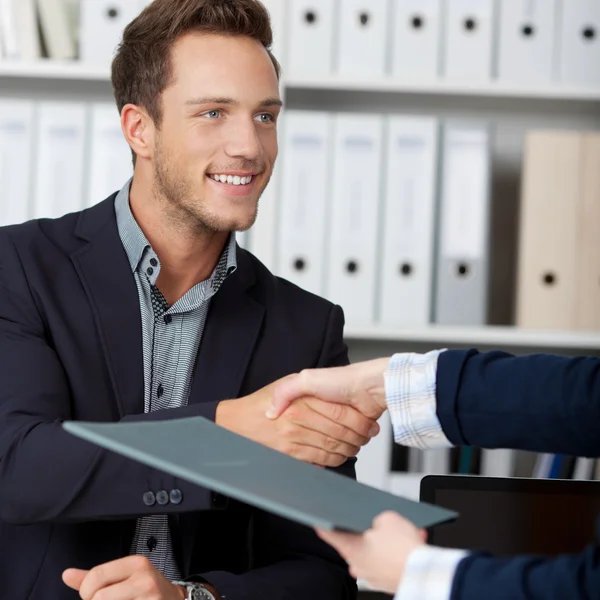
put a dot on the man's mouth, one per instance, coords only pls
(232, 179)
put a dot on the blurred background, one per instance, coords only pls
(439, 172)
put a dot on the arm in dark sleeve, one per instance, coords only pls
(543, 403)
(529, 577)
(47, 474)
(291, 562)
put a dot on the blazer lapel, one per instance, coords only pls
(107, 279)
(232, 330)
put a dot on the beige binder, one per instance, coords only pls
(588, 303)
(549, 230)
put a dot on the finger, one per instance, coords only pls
(318, 432)
(327, 384)
(347, 544)
(74, 578)
(111, 573)
(317, 456)
(349, 418)
(118, 591)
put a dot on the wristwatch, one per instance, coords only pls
(195, 591)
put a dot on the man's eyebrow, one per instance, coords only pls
(267, 102)
(213, 100)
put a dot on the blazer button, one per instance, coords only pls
(162, 497)
(176, 496)
(149, 499)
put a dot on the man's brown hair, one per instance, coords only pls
(142, 67)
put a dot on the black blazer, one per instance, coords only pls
(538, 402)
(71, 348)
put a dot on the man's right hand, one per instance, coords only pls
(311, 430)
(360, 386)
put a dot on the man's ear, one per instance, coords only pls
(138, 129)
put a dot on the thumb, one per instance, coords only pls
(284, 393)
(74, 578)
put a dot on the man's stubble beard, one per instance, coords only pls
(184, 211)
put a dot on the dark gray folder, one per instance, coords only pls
(203, 453)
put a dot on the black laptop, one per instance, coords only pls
(508, 516)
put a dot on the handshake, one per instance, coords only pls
(320, 416)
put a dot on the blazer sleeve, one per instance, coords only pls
(543, 403)
(46, 474)
(290, 561)
(528, 577)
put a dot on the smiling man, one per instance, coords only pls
(144, 308)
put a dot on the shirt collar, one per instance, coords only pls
(135, 242)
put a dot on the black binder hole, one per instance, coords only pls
(549, 278)
(352, 266)
(406, 269)
(589, 33)
(310, 17)
(299, 264)
(112, 12)
(528, 30)
(470, 24)
(364, 19)
(462, 269)
(417, 22)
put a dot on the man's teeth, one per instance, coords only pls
(232, 179)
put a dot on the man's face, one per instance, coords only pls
(219, 122)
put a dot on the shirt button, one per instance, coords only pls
(176, 496)
(162, 497)
(168, 319)
(149, 499)
(153, 262)
(160, 390)
(151, 543)
(149, 270)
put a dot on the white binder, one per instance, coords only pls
(16, 150)
(362, 37)
(527, 40)
(416, 38)
(469, 32)
(579, 60)
(352, 264)
(373, 462)
(311, 25)
(60, 161)
(409, 221)
(304, 201)
(110, 162)
(102, 23)
(277, 13)
(462, 264)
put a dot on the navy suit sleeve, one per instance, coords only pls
(543, 403)
(46, 474)
(528, 577)
(290, 561)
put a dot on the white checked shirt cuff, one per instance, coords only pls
(429, 574)
(410, 391)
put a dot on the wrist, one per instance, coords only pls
(181, 591)
(374, 381)
(224, 414)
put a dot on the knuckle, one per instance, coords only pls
(331, 444)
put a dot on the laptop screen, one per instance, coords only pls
(514, 516)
